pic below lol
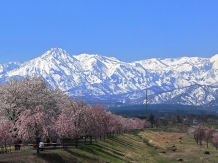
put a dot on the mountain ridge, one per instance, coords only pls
(101, 76)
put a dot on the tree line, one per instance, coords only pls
(203, 133)
(30, 111)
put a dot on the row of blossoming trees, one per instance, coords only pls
(202, 133)
(31, 110)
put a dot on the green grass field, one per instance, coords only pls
(148, 146)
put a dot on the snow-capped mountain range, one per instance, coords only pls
(186, 80)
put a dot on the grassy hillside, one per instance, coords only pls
(150, 145)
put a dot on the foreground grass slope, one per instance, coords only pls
(186, 147)
(148, 146)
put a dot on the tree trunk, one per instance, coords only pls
(85, 139)
(77, 142)
(5, 147)
(37, 145)
(90, 139)
(37, 141)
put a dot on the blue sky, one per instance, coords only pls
(129, 30)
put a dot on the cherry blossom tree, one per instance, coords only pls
(215, 139)
(35, 124)
(112, 122)
(74, 121)
(199, 133)
(5, 133)
(82, 122)
(88, 125)
(99, 121)
(208, 134)
(139, 124)
(64, 125)
(10, 98)
(30, 99)
(103, 122)
(18, 95)
(36, 111)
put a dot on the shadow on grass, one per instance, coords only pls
(104, 149)
(76, 154)
(108, 145)
(113, 150)
(116, 153)
(54, 157)
(122, 142)
(98, 150)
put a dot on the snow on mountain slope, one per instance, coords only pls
(4, 68)
(56, 66)
(95, 75)
(197, 95)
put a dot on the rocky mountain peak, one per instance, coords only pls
(56, 53)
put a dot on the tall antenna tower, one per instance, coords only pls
(146, 104)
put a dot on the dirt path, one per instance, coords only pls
(18, 154)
